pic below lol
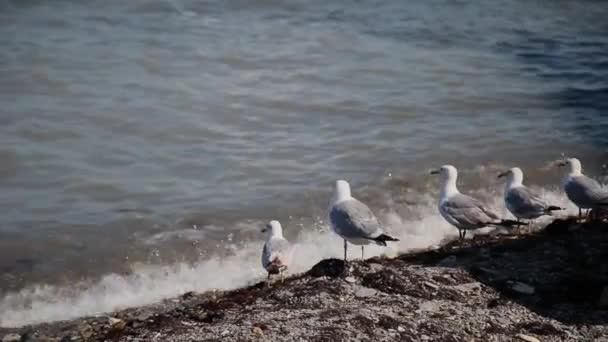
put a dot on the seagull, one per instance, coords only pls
(353, 220)
(520, 200)
(583, 191)
(277, 251)
(462, 211)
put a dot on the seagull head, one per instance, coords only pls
(341, 191)
(573, 165)
(446, 172)
(447, 175)
(273, 228)
(514, 176)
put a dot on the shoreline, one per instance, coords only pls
(550, 285)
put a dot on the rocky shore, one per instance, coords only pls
(550, 285)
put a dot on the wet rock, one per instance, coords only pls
(364, 292)
(449, 261)
(329, 267)
(603, 303)
(527, 338)
(522, 288)
(11, 338)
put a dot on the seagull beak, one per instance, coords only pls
(434, 172)
(561, 163)
(504, 174)
(264, 230)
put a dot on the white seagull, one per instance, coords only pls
(277, 252)
(462, 211)
(583, 191)
(520, 200)
(353, 220)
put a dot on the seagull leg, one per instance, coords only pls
(345, 251)
(362, 257)
(464, 234)
(580, 213)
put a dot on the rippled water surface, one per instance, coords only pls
(140, 138)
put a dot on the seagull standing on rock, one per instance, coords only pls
(462, 211)
(353, 220)
(583, 191)
(520, 200)
(276, 255)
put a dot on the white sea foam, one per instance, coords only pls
(152, 283)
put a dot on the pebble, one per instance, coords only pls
(258, 331)
(117, 323)
(11, 338)
(527, 338)
(431, 285)
(364, 292)
(468, 287)
(374, 267)
(522, 288)
(430, 306)
(350, 279)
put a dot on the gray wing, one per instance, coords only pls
(583, 190)
(353, 219)
(277, 251)
(466, 211)
(522, 200)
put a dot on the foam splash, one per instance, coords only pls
(152, 283)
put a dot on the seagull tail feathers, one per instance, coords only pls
(381, 239)
(508, 223)
(553, 208)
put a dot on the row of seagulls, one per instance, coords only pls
(356, 224)
(462, 211)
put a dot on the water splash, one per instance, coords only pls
(423, 227)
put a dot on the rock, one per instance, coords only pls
(328, 267)
(350, 279)
(603, 303)
(429, 306)
(522, 288)
(375, 267)
(527, 338)
(448, 261)
(468, 287)
(117, 323)
(225, 333)
(11, 338)
(364, 292)
(431, 285)
(400, 329)
(258, 331)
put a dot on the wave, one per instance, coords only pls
(420, 228)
